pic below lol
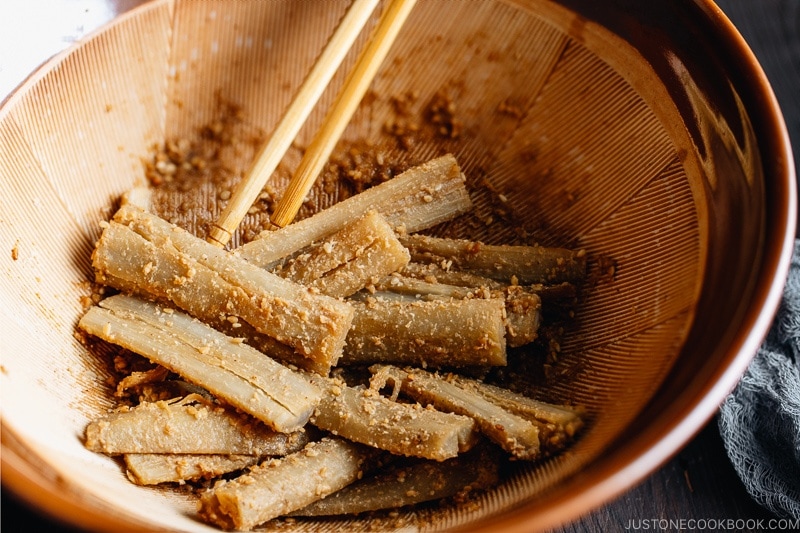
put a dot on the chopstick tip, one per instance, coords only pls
(219, 236)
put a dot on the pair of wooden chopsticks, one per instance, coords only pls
(335, 122)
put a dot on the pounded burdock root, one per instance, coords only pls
(232, 371)
(524, 264)
(350, 259)
(280, 486)
(434, 333)
(157, 468)
(364, 416)
(513, 433)
(523, 306)
(419, 198)
(409, 484)
(176, 428)
(139, 252)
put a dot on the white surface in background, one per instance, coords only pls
(32, 31)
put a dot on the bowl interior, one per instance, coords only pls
(567, 136)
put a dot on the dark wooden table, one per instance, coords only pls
(699, 483)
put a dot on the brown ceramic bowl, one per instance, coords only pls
(644, 132)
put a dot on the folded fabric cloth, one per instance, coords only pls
(760, 420)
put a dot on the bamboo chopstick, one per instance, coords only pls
(274, 149)
(342, 111)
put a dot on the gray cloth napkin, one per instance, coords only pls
(760, 420)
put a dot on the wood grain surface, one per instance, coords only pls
(699, 482)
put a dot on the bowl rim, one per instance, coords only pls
(648, 451)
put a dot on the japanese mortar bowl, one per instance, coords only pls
(643, 132)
